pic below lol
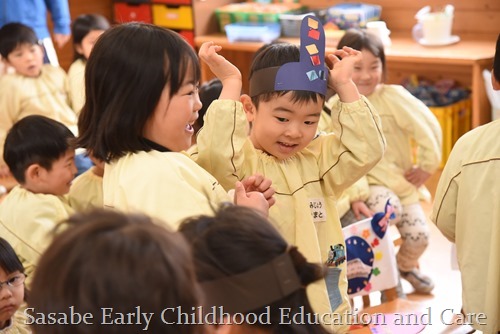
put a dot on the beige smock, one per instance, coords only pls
(406, 120)
(76, 84)
(467, 211)
(17, 324)
(86, 191)
(27, 222)
(166, 185)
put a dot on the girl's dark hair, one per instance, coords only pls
(237, 239)
(106, 259)
(361, 39)
(14, 34)
(9, 261)
(277, 54)
(84, 24)
(208, 92)
(35, 139)
(129, 67)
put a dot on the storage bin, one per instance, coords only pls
(173, 17)
(253, 12)
(353, 15)
(127, 12)
(173, 2)
(188, 35)
(253, 31)
(455, 120)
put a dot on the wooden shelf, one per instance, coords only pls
(463, 62)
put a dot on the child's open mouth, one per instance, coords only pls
(287, 148)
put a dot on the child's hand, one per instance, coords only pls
(259, 183)
(417, 176)
(360, 208)
(341, 64)
(229, 75)
(253, 199)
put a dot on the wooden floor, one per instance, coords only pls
(445, 300)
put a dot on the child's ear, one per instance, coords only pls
(33, 173)
(248, 107)
(79, 49)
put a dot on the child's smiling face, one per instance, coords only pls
(281, 127)
(368, 73)
(27, 60)
(171, 124)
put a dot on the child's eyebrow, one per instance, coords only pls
(283, 109)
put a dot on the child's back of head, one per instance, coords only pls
(33, 140)
(236, 249)
(109, 263)
(13, 35)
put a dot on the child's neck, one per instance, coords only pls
(5, 324)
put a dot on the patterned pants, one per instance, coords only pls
(410, 221)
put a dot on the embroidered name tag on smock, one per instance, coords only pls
(318, 210)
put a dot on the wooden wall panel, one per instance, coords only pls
(472, 17)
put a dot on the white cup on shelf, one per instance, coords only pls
(379, 28)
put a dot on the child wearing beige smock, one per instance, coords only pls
(45, 95)
(406, 120)
(307, 184)
(27, 221)
(467, 211)
(76, 84)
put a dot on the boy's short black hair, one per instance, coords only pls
(14, 34)
(277, 54)
(35, 139)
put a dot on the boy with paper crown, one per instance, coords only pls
(309, 172)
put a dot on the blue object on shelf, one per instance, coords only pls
(353, 15)
(253, 31)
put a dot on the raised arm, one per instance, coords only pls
(228, 74)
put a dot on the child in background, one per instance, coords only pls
(138, 119)
(86, 190)
(85, 30)
(236, 253)
(12, 321)
(34, 89)
(39, 155)
(208, 92)
(466, 211)
(405, 119)
(308, 172)
(109, 263)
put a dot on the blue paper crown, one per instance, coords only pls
(309, 74)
